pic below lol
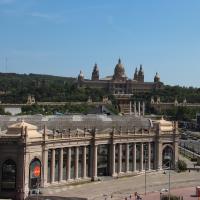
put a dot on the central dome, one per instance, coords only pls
(119, 70)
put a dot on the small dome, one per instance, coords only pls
(157, 77)
(165, 125)
(81, 74)
(23, 124)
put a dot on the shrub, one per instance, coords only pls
(181, 165)
(172, 197)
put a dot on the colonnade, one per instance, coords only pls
(138, 108)
(88, 166)
(145, 156)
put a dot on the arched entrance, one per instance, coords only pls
(35, 174)
(167, 156)
(9, 171)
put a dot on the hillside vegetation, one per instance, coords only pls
(15, 88)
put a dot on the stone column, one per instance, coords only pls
(139, 108)
(94, 175)
(113, 160)
(135, 110)
(149, 156)
(45, 167)
(159, 155)
(143, 108)
(120, 158)
(134, 157)
(69, 163)
(175, 154)
(76, 161)
(130, 108)
(141, 156)
(127, 157)
(53, 166)
(84, 168)
(61, 165)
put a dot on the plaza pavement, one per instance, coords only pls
(122, 188)
(187, 193)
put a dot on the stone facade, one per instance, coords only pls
(160, 106)
(119, 83)
(84, 148)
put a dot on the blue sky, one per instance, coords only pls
(60, 37)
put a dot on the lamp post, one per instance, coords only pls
(169, 177)
(145, 168)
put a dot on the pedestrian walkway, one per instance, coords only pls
(189, 163)
(187, 194)
(122, 188)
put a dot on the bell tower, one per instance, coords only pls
(95, 73)
(141, 74)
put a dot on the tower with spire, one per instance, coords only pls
(95, 73)
(135, 74)
(141, 75)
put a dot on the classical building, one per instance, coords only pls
(160, 106)
(119, 83)
(84, 148)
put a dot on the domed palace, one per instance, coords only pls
(120, 85)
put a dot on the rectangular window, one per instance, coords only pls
(153, 155)
(138, 157)
(123, 157)
(88, 152)
(116, 157)
(72, 162)
(80, 162)
(131, 157)
(49, 165)
(57, 158)
(65, 164)
(145, 156)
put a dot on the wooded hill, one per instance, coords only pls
(15, 88)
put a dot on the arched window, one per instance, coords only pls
(167, 157)
(8, 176)
(35, 174)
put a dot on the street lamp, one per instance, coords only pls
(145, 167)
(169, 178)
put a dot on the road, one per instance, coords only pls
(192, 145)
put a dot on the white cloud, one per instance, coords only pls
(57, 18)
(41, 15)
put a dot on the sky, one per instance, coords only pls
(62, 37)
